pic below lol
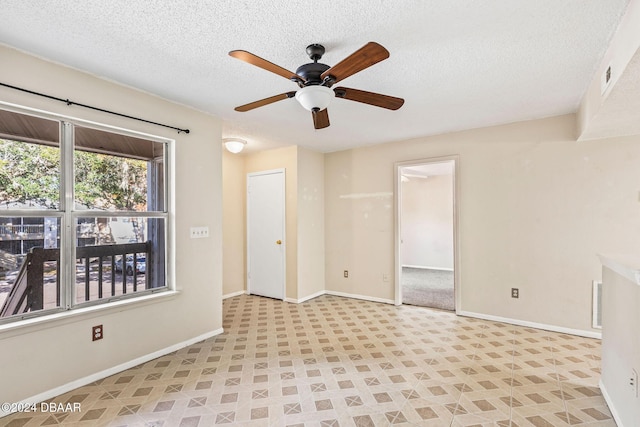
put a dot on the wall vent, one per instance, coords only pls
(596, 321)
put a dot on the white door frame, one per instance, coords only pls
(398, 226)
(284, 228)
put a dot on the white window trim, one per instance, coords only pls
(75, 315)
(69, 308)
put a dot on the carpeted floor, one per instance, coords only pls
(427, 288)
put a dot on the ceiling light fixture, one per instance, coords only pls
(315, 97)
(234, 145)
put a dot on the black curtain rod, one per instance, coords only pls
(68, 102)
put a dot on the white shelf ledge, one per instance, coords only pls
(625, 265)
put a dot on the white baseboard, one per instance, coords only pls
(612, 408)
(425, 267)
(362, 297)
(49, 394)
(233, 294)
(552, 328)
(303, 299)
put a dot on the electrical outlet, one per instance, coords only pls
(515, 293)
(633, 382)
(199, 232)
(346, 273)
(385, 277)
(97, 333)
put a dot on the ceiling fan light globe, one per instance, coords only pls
(314, 97)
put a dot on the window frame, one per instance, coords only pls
(68, 215)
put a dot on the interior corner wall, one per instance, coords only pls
(41, 357)
(310, 223)
(535, 207)
(286, 158)
(234, 224)
(427, 222)
(624, 44)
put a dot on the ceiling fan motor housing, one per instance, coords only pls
(312, 72)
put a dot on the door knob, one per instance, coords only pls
(278, 242)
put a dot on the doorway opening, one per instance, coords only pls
(426, 233)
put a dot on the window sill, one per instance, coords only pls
(39, 323)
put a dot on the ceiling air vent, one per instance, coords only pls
(605, 80)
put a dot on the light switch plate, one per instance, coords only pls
(199, 232)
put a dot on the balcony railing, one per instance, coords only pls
(93, 280)
(36, 231)
(21, 232)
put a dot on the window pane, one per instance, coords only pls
(117, 173)
(29, 264)
(29, 175)
(118, 256)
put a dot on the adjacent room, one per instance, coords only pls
(426, 220)
(319, 214)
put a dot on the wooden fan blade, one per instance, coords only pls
(266, 101)
(252, 59)
(320, 119)
(366, 56)
(371, 98)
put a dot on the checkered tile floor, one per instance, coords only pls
(335, 361)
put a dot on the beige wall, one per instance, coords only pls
(43, 356)
(234, 194)
(535, 207)
(304, 182)
(286, 158)
(310, 223)
(359, 221)
(427, 222)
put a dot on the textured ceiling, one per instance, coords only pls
(458, 64)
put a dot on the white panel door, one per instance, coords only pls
(265, 233)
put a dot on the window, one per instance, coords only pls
(83, 216)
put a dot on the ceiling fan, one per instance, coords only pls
(316, 80)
